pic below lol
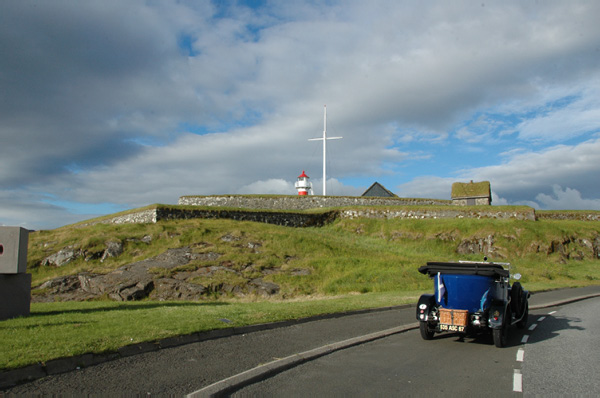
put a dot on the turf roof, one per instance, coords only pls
(471, 189)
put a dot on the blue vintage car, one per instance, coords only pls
(471, 297)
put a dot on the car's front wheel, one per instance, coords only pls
(426, 333)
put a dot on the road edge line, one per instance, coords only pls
(261, 372)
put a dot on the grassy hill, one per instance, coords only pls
(347, 256)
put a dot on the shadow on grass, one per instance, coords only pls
(122, 307)
(46, 325)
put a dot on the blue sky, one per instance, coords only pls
(99, 114)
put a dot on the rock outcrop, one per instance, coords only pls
(160, 278)
(567, 248)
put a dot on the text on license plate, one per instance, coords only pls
(452, 328)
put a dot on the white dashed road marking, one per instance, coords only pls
(533, 326)
(517, 381)
(518, 376)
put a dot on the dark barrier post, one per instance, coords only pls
(15, 284)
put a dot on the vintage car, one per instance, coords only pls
(470, 298)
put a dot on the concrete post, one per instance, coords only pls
(15, 284)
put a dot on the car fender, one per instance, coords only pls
(496, 314)
(424, 306)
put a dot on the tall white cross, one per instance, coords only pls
(325, 138)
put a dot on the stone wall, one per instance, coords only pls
(140, 217)
(465, 202)
(568, 215)
(459, 212)
(147, 216)
(270, 217)
(301, 202)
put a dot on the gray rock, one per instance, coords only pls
(229, 238)
(113, 249)
(84, 282)
(61, 284)
(62, 257)
(210, 256)
(477, 245)
(147, 239)
(262, 287)
(136, 292)
(254, 246)
(172, 289)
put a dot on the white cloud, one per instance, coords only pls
(268, 187)
(84, 88)
(427, 187)
(526, 174)
(561, 123)
(566, 199)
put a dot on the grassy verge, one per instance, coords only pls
(56, 330)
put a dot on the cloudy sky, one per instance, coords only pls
(110, 105)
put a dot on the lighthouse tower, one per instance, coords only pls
(304, 186)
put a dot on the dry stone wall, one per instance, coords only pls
(270, 217)
(147, 216)
(301, 202)
(567, 215)
(438, 213)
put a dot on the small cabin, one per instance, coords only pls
(378, 190)
(471, 193)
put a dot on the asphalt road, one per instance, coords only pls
(185, 369)
(562, 355)
(400, 365)
(559, 356)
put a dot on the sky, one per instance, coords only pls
(111, 105)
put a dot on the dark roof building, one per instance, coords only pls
(471, 193)
(378, 190)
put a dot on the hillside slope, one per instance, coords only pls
(213, 259)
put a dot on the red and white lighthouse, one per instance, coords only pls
(304, 186)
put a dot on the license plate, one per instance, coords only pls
(452, 328)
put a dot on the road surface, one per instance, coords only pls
(558, 353)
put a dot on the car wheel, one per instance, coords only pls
(501, 334)
(516, 299)
(426, 333)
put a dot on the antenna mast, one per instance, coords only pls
(324, 139)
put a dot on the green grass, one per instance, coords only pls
(56, 330)
(352, 264)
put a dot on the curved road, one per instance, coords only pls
(558, 353)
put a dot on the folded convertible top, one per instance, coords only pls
(465, 268)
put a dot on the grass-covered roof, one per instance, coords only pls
(471, 189)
